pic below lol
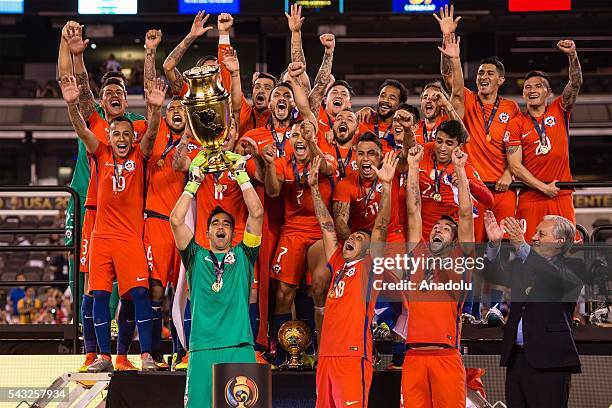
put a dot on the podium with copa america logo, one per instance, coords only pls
(242, 385)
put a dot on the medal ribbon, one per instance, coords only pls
(488, 122)
(169, 146)
(338, 277)
(299, 179)
(368, 197)
(426, 137)
(343, 163)
(116, 171)
(376, 131)
(438, 176)
(540, 130)
(219, 266)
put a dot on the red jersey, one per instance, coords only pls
(266, 135)
(221, 190)
(326, 123)
(121, 191)
(426, 134)
(164, 184)
(429, 168)
(487, 156)
(379, 128)
(363, 198)
(546, 162)
(434, 314)
(250, 118)
(99, 127)
(300, 217)
(349, 309)
(345, 157)
(403, 209)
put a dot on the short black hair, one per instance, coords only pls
(413, 110)
(220, 210)
(450, 219)
(454, 129)
(205, 58)
(396, 84)
(341, 82)
(495, 61)
(265, 75)
(437, 85)
(285, 84)
(113, 77)
(370, 137)
(121, 118)
(365, 231)
(538, 73)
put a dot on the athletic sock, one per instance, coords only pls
(126, 321)
(156, 332)
(144, 317)
(187, 324)
(254, 318)
(277, 322)
(89, 332)
(101, 317)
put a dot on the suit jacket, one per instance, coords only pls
(544, 294)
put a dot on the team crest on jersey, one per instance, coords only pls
(354, 165)
(191, 147)
(276, 269)
(230, 258)
(129, 165)
(506, 137)
(504, 117)
(550, 121)
(351, 272)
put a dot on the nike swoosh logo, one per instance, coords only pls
(526, 134)
(130, 321)
(263, 141)
(359, 199)
(87, 317)
(143, 321)
(100, 324)
(140, 279)
(349, 403)
(109, 164)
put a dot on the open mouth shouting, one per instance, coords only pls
(343, 128)
(367, 170)
(122, 149)
(398, 130)
(115, 103)
(300, 149)
(349, 245)
(484, 83)
(337, 102)
(533, 96)
(384, 107)
(220, 234)
(177, 119)
(260, 98)
(281, 108)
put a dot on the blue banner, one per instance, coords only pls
(210, 6)
(418, 6)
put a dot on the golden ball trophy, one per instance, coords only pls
(209, 114)
(294, 337)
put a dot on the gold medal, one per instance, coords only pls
(437, 197)
(331, 294)
(216, 287)
(488, 137)
(160, 163)
(544, 149)
(219, 188)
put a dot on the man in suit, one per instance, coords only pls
(538, 348)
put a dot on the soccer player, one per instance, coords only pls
(486, 115)
(433, 374)
(344, 129)
(117, 246)
(219, 283)
(299, 246)
(224, 24)
(113, 103)
(537, 144)
(391, 95)
(344, 370)
(438, 180)
(357, 196)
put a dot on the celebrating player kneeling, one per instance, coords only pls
(219, 282)
(344, 371)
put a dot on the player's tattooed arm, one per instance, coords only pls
(466, 215)
(155, 99)
(180, 161)
(152, 40)
(413, 197)
(448, 25)
(514, 155)
(341, 217)
(295, 21)
(273, 181)
(70, 93)
(330, 239)
(323, 77)
(451, 50)
(172, 60)
(575, 74)
(74, 37)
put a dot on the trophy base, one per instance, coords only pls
(295, 363)
(215, 162)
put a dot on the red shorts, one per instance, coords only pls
(289, 263)
(533, 211)
(431, 213)
(433, 378)
(163, 258)
(343, 382)
(504, 206)
(112, 258)
(89, 222)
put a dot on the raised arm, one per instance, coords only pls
(251, 199)
(413, 197)
(172, 60)
(182, 233)
(330, 239)
(231, 63)
(155, 99)
(64, 58)
(385, 176)
(575, 74)
(295, 21)
(152, 40)
(70, 93)
(323, 76)
(309, 135)
(180, 161)
(466, 211)
(515, 161)
(87, 102)
(273, 181)
(296, 69)
(342, 211)
(448, 25)
(450, 48)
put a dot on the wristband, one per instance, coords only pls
(241, 177)
(246, 186)
(224, 39)
(192, 187)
